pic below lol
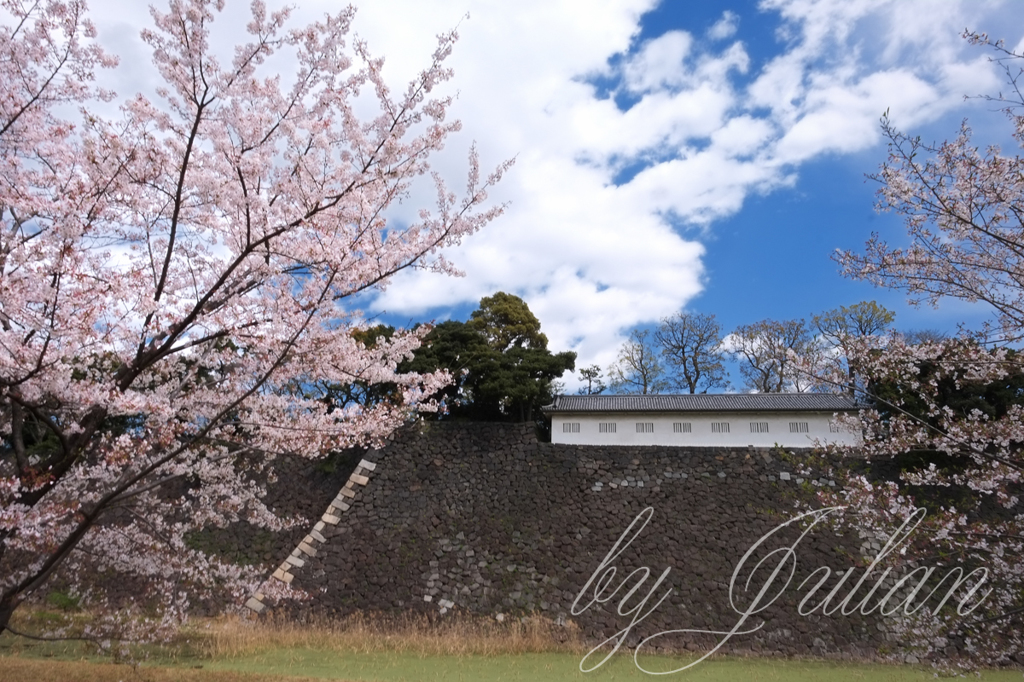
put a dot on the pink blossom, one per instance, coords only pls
(172, 282)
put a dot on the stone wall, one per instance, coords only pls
(483, 519)
(302, 490)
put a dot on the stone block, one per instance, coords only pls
(255, 604)
(517, 480)
(369, 466)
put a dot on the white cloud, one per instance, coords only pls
(593, 258)
(844, 117)
(660, 62)
(724, 27)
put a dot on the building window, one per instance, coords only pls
(759, 427)
(570, 427)
(645, 427)
(606, 427)
(798, 427)
(834, 428)
(682, 427)
(719, 427)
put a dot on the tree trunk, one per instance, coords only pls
(8, 603)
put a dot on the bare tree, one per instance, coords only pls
(691, 344)
(916, 337)
(637, 369)
(763, 349)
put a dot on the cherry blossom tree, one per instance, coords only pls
(175, 280)
(947, 428)
(962, 210)
(944, 433)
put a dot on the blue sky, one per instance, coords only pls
(670, 155)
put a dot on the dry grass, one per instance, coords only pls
(15, 669)
(415, 634)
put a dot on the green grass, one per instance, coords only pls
(396, 667)
(285, 663)
(409, 650)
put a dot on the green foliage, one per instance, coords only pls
(63, 600)
(838, 327)
(992, 399)
(359, 392)
(499, 359)
(592, 375)
(458, 348)
(866, 318)
(506, 321)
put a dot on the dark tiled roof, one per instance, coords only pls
(731, 402)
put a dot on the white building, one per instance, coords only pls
(795, 420)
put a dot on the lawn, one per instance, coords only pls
(557, 667)
(409, 651)
(304, 664)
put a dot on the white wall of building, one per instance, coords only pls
(658, 429)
